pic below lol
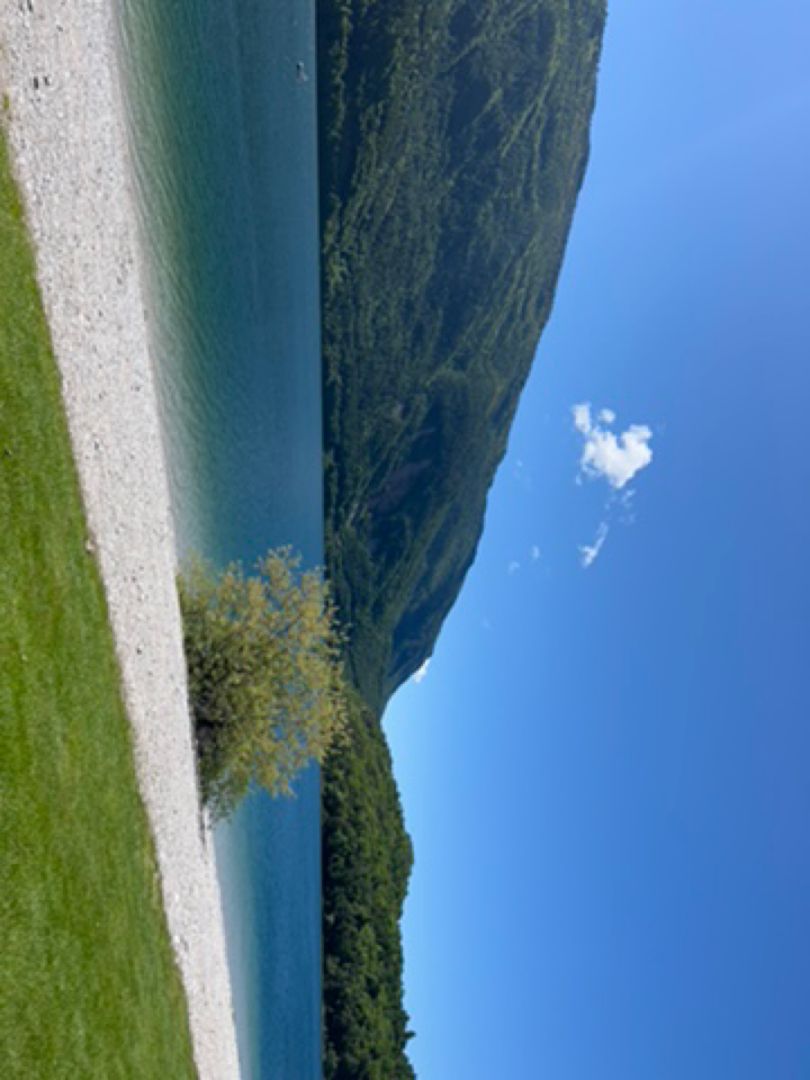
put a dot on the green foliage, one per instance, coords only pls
(367, 858)
(88, 984)
(265, 675)
(453, 141)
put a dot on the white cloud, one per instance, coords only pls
(419, 675)
(513, 567)
(582, 417)
(616, 459)
(535, 552)
(589, 552)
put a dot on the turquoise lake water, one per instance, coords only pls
(221, 95)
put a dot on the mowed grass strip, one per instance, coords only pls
(88, 985)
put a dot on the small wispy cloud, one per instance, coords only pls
(582, 417)
(419, 674)
(626, 509)
(513, 567)
(616, 458)
(588, 553)
(534, 553)
(522, 474)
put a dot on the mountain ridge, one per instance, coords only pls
(456, 145)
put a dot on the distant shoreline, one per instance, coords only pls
(68, 143)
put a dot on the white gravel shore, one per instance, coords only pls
(68, 143)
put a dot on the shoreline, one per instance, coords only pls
(68, 143)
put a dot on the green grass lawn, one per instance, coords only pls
(88, 986)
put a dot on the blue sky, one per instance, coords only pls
(606, 770)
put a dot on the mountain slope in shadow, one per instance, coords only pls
(454, 139)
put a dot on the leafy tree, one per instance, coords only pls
(265, 674)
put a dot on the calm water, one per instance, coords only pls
(222, 109)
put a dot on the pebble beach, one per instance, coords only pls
(68, 142)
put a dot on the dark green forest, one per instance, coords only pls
(366, 863)
(453, 140)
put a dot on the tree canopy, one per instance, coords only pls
(265, 674)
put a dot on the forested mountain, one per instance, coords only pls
(453, 141)
(454, 138)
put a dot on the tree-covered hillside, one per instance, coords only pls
(453, 141)
(454, 137)
(367, 860)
